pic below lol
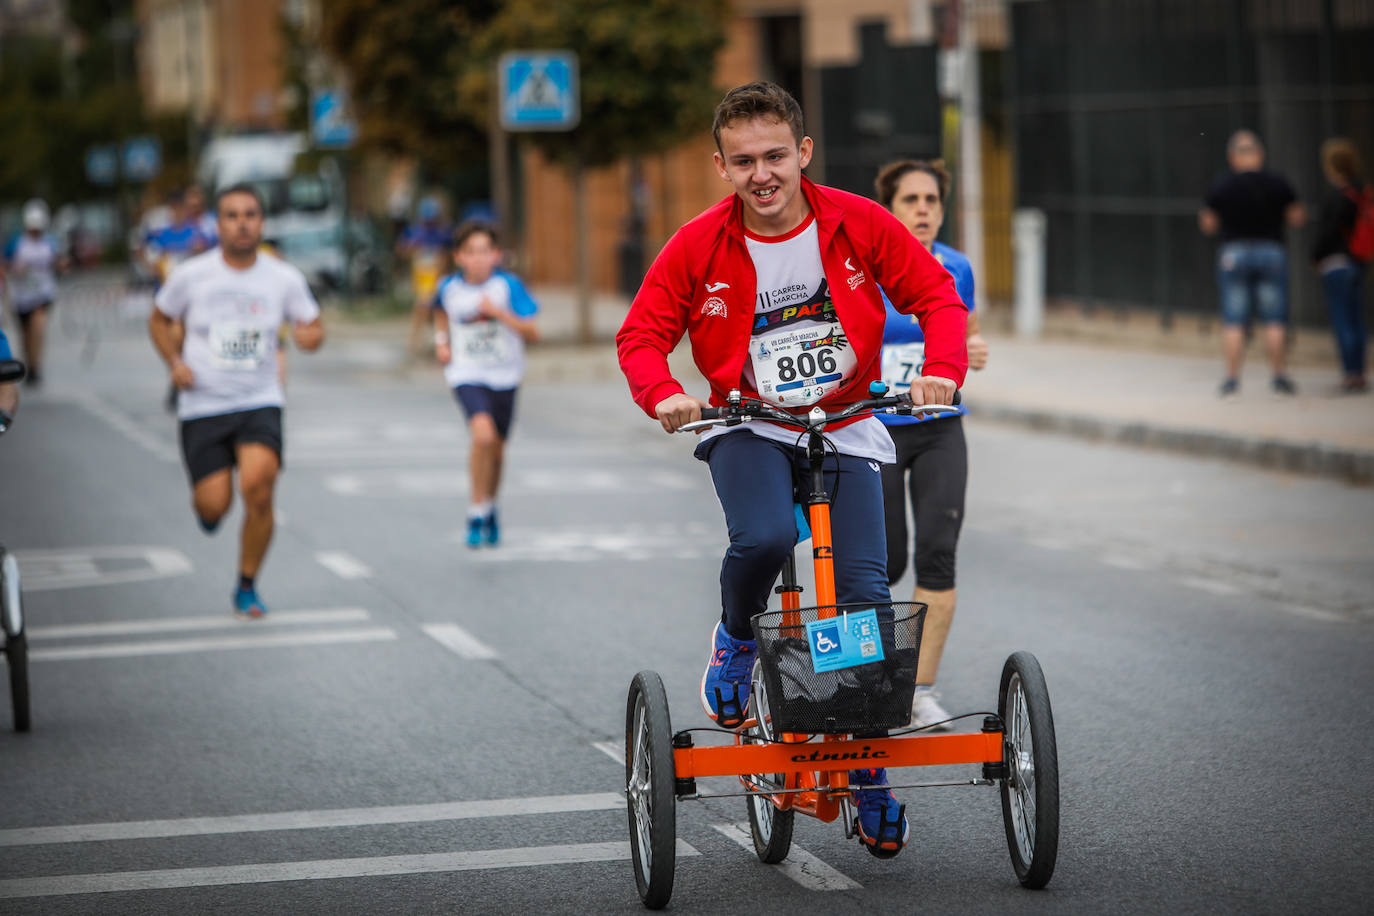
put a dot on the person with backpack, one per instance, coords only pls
(1344, 244)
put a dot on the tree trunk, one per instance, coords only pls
(584, 253)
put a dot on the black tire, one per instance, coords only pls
(1030, 791)
(16, 645)
(770, 826)
(649, 789)
(17, 658)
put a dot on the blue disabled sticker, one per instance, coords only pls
(844, 641)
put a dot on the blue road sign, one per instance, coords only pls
(539, 90)
(331, 127)
(142, 158)
(102, 164)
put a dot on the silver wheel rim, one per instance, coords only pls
(640, 788)
(1021, 779)
(762, 805)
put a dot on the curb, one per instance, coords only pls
(1350, 465)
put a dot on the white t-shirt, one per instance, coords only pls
(798, 351)
(32, 271)
(232, 319)
(485, 351)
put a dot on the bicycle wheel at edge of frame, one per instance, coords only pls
(16, 643)
(650, 796)
(1030, 754)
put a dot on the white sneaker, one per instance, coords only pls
(926, 710)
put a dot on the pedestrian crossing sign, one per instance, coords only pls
(538, 90)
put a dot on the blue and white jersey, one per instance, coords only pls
(904, 342)
(5, 347)
(32, 265)
(485, 351)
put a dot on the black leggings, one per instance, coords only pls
(936, 457)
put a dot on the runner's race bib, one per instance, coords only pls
(238, 347)
(795, 367)
(483, 343)
(902, 365)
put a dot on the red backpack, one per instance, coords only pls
(1360, 238)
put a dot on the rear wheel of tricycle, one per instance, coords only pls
(649, 789)
(1030, 790)
(770, 826)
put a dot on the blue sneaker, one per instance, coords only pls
(247, 603)
(475, 532)
(882, 821)
(725, 685)
(492, 529)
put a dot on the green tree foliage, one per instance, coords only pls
(403, 58)
(645, 69)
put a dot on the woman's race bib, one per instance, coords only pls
(902, 364)
(795, 367)
(238, 347)
(483, 343)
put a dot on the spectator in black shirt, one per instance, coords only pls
(1249, 207)
(1340, 271)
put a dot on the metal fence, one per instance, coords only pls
(1121, 113)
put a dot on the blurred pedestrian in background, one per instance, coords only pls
(32, 261)
(201, 218)
(1344, 243)
(932, 456)
(1249, 206)
(425, 243)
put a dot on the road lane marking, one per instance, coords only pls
(612, 750)
(311, 820)
(343, 565)
(459, 641)
(126, 426)
(1215, 586)
(800, 865)
(213, 644)
(78, 567)
(321, 869)
(1316, 613)
(441, 483)
(225, 621)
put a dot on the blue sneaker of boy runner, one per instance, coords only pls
(492, 529)
(475, 532)
(725, 685)
(247, 603)
(882, 821)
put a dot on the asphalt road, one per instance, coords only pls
(420, 728)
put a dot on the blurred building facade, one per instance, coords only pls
(866, 73)
(220, 61)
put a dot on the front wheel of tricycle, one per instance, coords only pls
(1030, 790)
(16, 643)
(770, 826)
(649, 789)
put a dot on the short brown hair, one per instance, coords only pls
(891, 175)
(759, 100)
(1340, 156)
(469, 228)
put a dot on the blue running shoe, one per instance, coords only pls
(882, 821)
(725, 685)
(492, 529)
(247, 603)
(475, 532)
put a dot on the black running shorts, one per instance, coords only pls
(208, 443)
(499, 403)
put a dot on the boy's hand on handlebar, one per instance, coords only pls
(678, 410)
(932, 389)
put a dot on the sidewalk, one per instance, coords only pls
(1123, 382)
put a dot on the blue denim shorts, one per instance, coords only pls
(1252, 277)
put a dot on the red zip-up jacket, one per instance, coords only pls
(703, 283)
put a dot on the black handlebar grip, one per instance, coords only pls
(957, 397)
(710, 413)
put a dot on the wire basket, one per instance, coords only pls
(865, 697)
